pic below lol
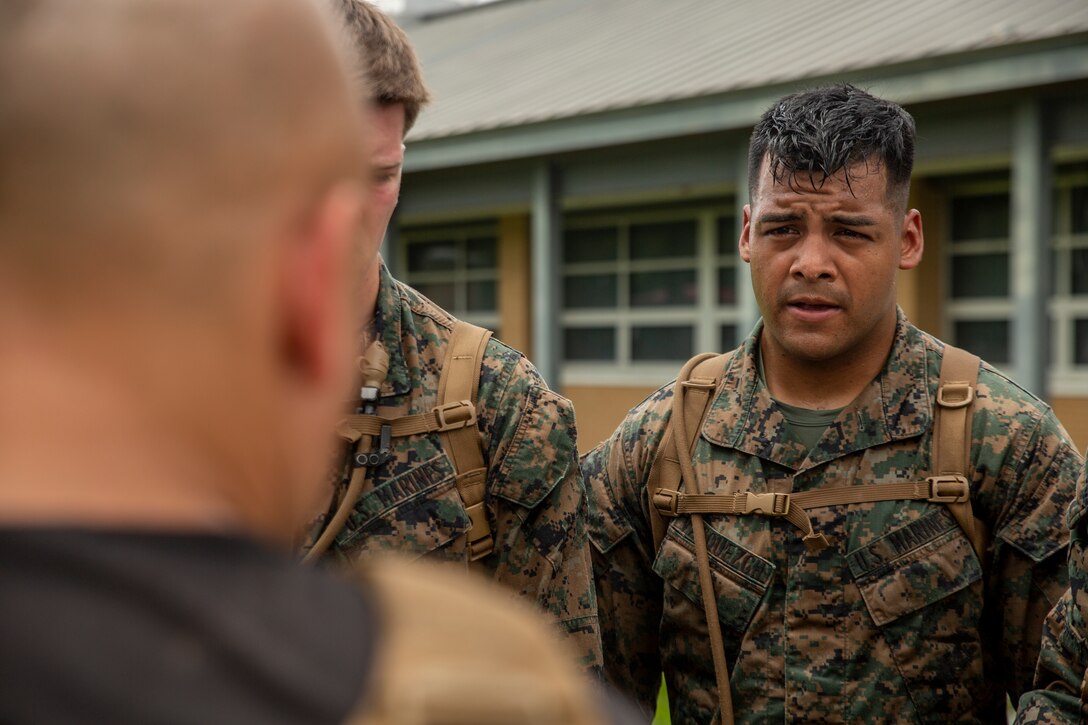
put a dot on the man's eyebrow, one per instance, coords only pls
(852, 221)
(778, 218)
(390, 166)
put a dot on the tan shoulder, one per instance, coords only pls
(459, 649)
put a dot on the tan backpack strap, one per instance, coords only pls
(950, 490)
(374, 365)
(690, 387)
(458, 386)
(664, 471)
(952, 434)
(696, 381)
(458, 414)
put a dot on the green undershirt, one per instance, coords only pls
(804, 425)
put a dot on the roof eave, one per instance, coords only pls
(930, 79)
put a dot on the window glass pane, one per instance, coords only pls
(481, 253)
(989, 339)
(1080, 342)
(426, 256)
(661, 343)
(1079, 271)
(664, 240)
(980, 217)
(441, 293)
(727, 285)
(727, 236)
(589, 343)
(589, 290)
(481, 296)
(980, 275)
(1080, 210)
(728, 338)
(653, 289)
(591, 245)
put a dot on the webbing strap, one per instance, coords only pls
(459, 382)
(690, 386)
(951, 490)
(458, 414)
(952, 433)
(696, 382)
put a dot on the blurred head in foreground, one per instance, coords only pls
(182, 187)
(180, 190)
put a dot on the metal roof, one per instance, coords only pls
(520, 62)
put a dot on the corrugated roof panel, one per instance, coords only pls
(525, 61)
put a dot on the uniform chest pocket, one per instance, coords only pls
(913, 566)
(922, 585)
(414, 512)
(741, 578)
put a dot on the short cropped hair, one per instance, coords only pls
(828, 130)
(392, 67)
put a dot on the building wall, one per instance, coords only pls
(963, 143)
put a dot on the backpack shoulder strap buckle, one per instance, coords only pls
(667, 502)
(458, 414)
(948, 489)
(955, 395)
(769, 504)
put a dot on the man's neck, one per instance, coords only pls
(81, 449)
(822, 384)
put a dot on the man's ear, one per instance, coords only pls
(316, 329)
(912, 241)
(745, 232)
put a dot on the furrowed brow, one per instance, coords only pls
(852, 221)
(777, 218)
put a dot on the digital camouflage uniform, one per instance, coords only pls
(535, 498)
(884, 625)
(1062, 676)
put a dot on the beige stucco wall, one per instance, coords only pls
(600, 409)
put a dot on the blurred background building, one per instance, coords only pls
(577, 183)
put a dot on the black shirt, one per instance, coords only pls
(117, 627)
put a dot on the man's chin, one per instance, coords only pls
(813, 348)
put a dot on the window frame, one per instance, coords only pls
(461, 275)
(1067, 378)
(705, 317)
(975, 309)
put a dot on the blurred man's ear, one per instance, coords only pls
(317, 322)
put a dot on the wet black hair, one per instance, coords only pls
(828, 130)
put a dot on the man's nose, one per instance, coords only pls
(813, 259)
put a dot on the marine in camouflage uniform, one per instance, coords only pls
(1062, 675)
(898, 619)
(885, 625)
(535, 498)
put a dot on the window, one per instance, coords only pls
(1069, 305)
(643, 291)
(980, 308)
(455, 266)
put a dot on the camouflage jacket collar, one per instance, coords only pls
(388, 323)
(896, 405)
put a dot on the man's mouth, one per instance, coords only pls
(812, 310)
(812, 305)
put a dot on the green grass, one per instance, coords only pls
(662, 715)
